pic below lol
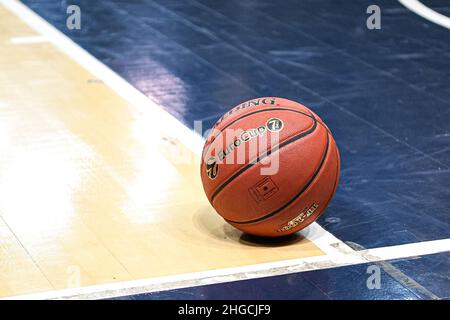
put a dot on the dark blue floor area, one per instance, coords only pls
(431, 272)
(442, 7)
(385, 93)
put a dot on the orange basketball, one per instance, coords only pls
(270, 166)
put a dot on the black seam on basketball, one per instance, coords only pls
(311, 180)
(264, 155)
(324, 126)
(249, 114)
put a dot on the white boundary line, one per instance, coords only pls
(242, 273)
(411, 249)
(338, 253)
(427, 13)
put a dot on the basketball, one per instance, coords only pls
(270, 166)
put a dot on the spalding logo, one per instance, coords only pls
(245, 105)
(300, 218)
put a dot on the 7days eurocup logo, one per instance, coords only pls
(212, 168)
(274, 124)
(212, 164)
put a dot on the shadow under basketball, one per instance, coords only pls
(255, 241)
(209, 222)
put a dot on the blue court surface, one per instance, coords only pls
(335, 284)
(384, 93)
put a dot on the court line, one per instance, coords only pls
(400, 277)
(242, 273)
(337, 252)
(426, 12)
